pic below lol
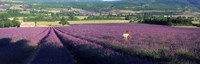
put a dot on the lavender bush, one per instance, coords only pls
(100, 44)
(91, 53)
(147, 40)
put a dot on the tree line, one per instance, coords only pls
(51, 17)
(172, 21)
(9, 23)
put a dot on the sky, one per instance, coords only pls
(111, 0)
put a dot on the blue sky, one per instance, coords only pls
(111, 0)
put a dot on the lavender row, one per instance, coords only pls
(21, 51)
(149, 38)
(91, 53)
(52, 51)
(20, 33)
(34, 49)
(157, 36)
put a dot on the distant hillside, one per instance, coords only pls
(100, 5)
(60, 0)
(195, 3)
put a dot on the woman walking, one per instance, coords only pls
(126, 35)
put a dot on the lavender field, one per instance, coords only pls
(100, 44)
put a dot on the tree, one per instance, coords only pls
(63, 21)
(8, 24)
(72, 17)
(127, 18)
(14, 13)
(1, 24)
(15, 22)
(4, 16)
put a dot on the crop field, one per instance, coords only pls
(98, 21)
(45, 23)
(100, 44)
(81, 17)
(195, 22)
(56, 23)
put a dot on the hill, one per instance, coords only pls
(108, 5)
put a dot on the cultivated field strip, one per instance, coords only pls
(36, 42)
(30, 33)
(20, 51)
(52, 51)
(85, 51)
(171, 41)
(112, 47)
(100, 44)
(21, 33)
(150, 40)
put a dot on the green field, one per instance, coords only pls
(56, 23)
(81, 17)
(98, 21)
(46, 23)
(195, 22)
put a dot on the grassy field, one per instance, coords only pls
(195, 22)
(45, 24)
(186, 26)
(56, 23)
(98, 21)
(81, 17)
